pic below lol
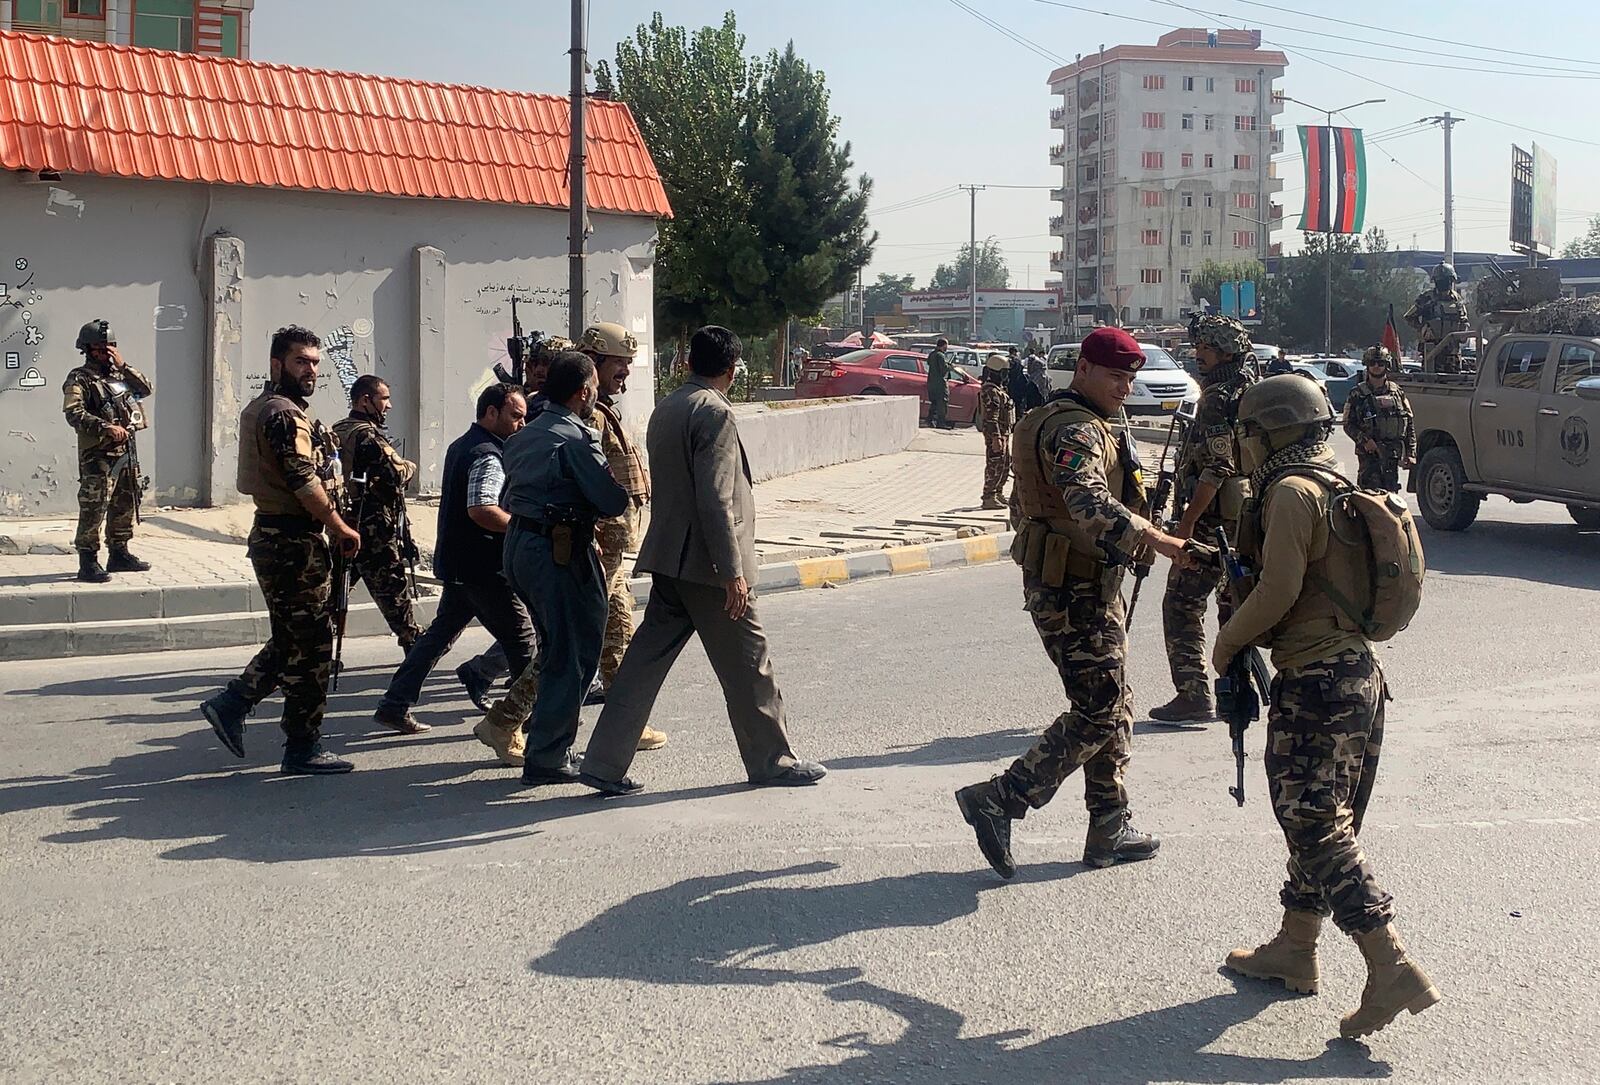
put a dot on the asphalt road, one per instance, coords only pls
(171, 914)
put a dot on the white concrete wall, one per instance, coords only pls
(137, 254)
(798, 435)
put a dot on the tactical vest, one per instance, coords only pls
(627, 466)
(388, 489)
(1049, 544)
(1388, 416)
(261, 474)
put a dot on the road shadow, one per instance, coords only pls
(726, 930)
(947, 750)
(1557, 554)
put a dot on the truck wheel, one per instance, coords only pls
(1587, 517)
(1442, 491)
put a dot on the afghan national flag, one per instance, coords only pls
(1391, 338)
(1336, 179)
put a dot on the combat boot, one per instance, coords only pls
(508, 743)
(1118, 842)
(1394, 983)
(399, 718)
(1291, 956)
(981, 808)
(123, 561)
(226, 713)
(992, 501)
(90, 571)
(312, 760)
(651, 739)
(1186, 708)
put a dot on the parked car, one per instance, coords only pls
(1336, 375)
(885, 373)
(1158, 388)
(969, 359)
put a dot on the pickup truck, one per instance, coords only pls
(1523, 426)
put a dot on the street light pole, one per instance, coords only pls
(972, 264)
(575, 181)
(1327, 237)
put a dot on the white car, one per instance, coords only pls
(1158, 388)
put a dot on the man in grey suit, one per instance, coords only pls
(700, 550)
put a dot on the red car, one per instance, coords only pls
(886, 373)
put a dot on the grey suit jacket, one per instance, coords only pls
(702, 512)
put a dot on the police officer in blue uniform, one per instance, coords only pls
(558, 485)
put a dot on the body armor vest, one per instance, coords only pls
(261, 474)
(627, 466)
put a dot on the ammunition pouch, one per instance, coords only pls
(1232, 498)
(1050, 557)
(1389, 427)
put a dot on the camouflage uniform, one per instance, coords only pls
(108, 484)
(997, 418)
(1434, 314)
(1382, 415)
(1074, 546)
(1209, 453)
(283, 451)
(386, 545)
(619, 534)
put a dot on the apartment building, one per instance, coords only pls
(1165, 153)
(212, 27)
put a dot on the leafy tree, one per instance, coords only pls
(1293, 302)
(884, 295)
(1587, 245)
(992, 271)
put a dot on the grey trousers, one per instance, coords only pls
(738, 653)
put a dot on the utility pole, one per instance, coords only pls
(575, 180)
(972, 263)
(1447, 122)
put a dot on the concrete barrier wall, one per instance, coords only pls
(786, 438)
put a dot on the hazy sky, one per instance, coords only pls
(930, 97)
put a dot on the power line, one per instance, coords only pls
(1027, 43)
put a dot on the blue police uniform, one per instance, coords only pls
(557, 480)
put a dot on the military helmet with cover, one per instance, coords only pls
(997, 363)
(1283, 401)
(609, 339)
(1222, 332)
(96, 333)
(1376, 355)
(1444, 273)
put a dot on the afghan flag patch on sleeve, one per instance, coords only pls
(1074, 453)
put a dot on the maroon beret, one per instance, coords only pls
(1112, 348)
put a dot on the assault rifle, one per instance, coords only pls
(520, 348)
(1244, 687)
(343, 580)
(1166, 479)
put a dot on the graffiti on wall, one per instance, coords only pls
(22, 336)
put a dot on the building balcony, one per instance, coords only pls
(1275, 139)
(1055, 261)
(1056, 116)
(1275, 212)
(1058, 154)
(1058, 195)
(1055, 224)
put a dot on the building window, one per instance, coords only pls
(1185, 199)
(1149, 275)
(1244, 123)
(164, 24)
(1243, 161)
(86, 9)
(1188, 82)
(1244, 239)
(1211, 199)
(1149, 237)
(1155, 82)
(1152, 197)
(1186, 276)
(1187, 124)
(1186, 159)
(1151, 160)
(1206, 238)
(1211, 161)
(1155, 120)
(1186, 238)
(1245, 201)
(1211, 123)
(1147, 312)
(1244, 86)
(1211, 85)
(31, 14)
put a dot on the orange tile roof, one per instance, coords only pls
(111, 110)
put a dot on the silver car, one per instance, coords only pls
(1158, 388)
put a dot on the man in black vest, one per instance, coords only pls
(467, 558)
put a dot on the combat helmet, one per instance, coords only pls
(1444, 273)
(1222, 332)
(96, 333)
(1377, 354)
(608, 339)
(1284, 401)
(997, 363)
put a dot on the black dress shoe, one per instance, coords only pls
(625, 786)
(313, 762)
(477, 685)
(534, 775)
(799, 774)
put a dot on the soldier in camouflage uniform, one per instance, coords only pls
(378, 506)
(1377, 417)
(1210, 495)
(1435, 314)
(1326, 716)
(1078, 504)
(289, 465)
(100, 400)
(995, 419)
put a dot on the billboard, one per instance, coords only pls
(1533, 200)
(927, 302)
